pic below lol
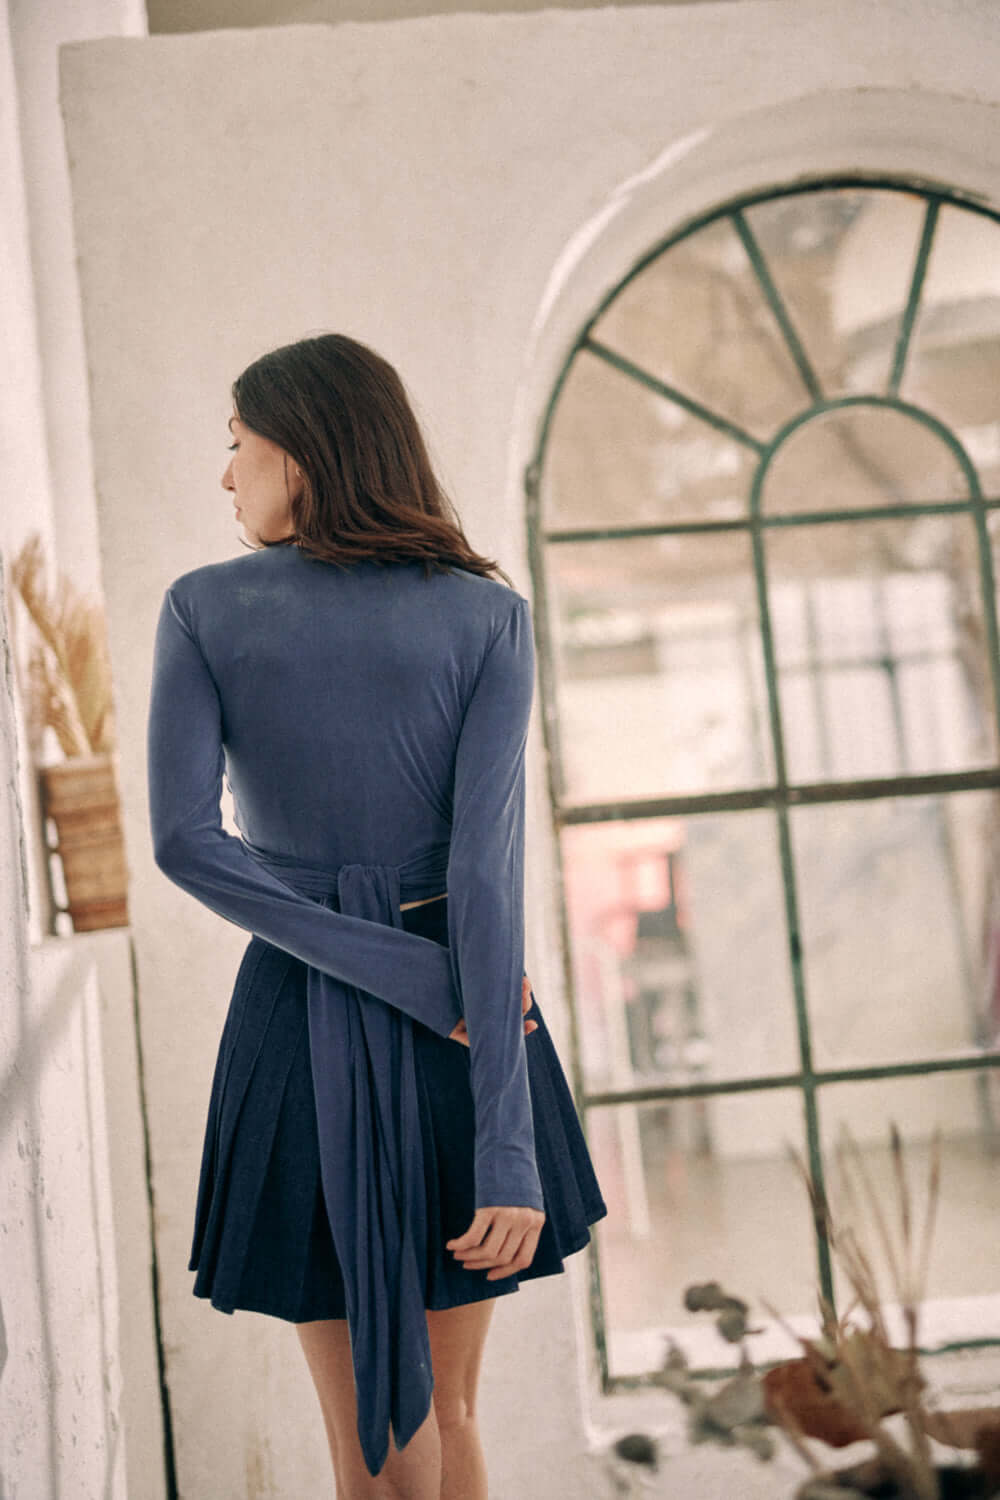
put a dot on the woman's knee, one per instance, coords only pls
(458, 1336)
(454, 1409)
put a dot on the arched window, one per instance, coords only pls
(763, 519)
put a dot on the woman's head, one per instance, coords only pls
(330, 458)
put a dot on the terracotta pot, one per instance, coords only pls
(81, 798)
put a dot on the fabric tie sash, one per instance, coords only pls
(371, 1153)
(371, 1161)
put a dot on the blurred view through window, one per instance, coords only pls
(768, 498)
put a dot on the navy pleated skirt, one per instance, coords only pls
(261, 1238)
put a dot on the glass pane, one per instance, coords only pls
(697, 319)
(963, 1259)
(899, 905)
(680, 950)
(879, 640)
(659, 677)
(620, 455)
(860, 456)
(842, 260)
(695, 1190)
(954, 362)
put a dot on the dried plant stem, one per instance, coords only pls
(933, 1195)
(905, 1210)
(848, 1150)
(916, 1477)
(869, 1370)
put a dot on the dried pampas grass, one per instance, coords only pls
(67, 670)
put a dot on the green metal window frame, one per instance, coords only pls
(780, 796)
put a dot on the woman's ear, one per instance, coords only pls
(294, 480)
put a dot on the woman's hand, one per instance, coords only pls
(460, 1034)
(500, 1241)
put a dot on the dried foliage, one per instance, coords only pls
(734, 1415)
(850, 1378)
(862, 1370)
(67, 672)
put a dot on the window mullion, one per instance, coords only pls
(909, 317)
(776, 303)
(671, 393)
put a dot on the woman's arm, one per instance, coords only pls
(185, 762)
(486, 912)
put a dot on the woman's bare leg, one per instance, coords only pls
(414, 1473)
(444, 1459)
(458, 1337)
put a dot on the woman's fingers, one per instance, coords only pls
(474, 1234)
(527, 1001)
(521, 1257)
(490, 1251)
(500, 1241)
(461, 1034)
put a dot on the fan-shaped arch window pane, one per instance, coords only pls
(625, 455)
(697, 318)
(843, 262)
(954, 363)
(860, 457)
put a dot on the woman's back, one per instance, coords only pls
(342, 695)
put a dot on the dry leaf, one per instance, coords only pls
(794, 1388)
(889, 1376)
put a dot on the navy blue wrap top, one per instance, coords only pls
(371, 725)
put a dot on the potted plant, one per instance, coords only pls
(849, 1380)
(65, 680)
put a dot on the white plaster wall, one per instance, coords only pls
(21, 1381)
(44, 413)
(25, 501)
(37, 31)
(79, 1406)
(80, 1410)
(456, 191)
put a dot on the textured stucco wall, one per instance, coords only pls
(456, 191)
(79, 1409)
(52, 307)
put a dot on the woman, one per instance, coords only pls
(390, 1142)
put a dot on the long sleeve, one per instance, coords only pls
(486, 912)
(185, 762)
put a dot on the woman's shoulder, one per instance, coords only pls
(215, 581)
(209, 575)
(490, 596)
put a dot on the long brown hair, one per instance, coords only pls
(342, 414)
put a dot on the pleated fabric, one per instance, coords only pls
(262, 1239)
